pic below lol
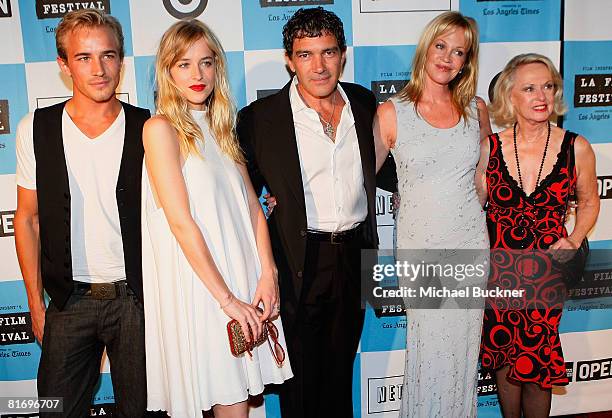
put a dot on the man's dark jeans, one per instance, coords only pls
(73, 343)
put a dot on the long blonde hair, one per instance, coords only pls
(221, 115)
(463, 86)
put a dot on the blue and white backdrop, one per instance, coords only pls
(381, 37)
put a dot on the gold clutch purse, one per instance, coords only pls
(239, 344)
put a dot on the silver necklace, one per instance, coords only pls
(328, 127)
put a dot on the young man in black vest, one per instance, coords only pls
(311, 145)
(77, 225)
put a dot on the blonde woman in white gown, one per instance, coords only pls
(206, 251)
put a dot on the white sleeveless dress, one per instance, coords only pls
(189, 364)
(439, 209)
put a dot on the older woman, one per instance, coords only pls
(534, 167)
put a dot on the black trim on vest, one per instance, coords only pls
(53, 193)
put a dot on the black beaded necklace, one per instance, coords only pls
(518, 165)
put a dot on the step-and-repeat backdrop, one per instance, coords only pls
(381, 37)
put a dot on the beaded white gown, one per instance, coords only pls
(439, 209)
(189, 364)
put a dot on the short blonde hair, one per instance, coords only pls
(87, 18)
(501, 108)
(171, 103)
(463, 87)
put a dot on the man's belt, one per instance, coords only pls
(336, 237)
(103, 291)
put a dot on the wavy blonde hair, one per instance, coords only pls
(463, 86)
(502, 109)
(221, 115)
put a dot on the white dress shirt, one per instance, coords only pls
(332, 175)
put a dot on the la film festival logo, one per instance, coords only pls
(15, 328)
(593, 90)
(102, 409)
(301, 3)
(5, 8)
(385, 89)
(52, 9)
(593, 283)
(182, 9)
(486, 383)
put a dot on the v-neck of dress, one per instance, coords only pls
(512, 181)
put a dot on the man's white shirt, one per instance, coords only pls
(332, 175)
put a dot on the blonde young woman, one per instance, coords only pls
(433, 128)
(533, 169)
(206, 251)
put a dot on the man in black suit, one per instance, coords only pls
(311, 146)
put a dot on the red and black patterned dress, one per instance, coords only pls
(524, 335)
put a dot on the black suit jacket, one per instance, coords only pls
(267, 135)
